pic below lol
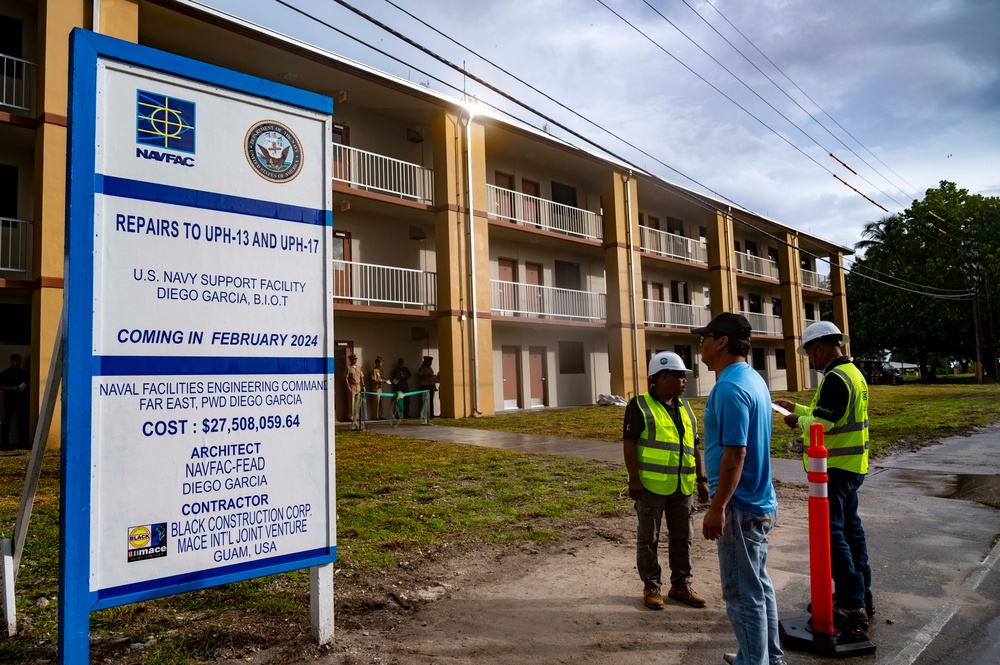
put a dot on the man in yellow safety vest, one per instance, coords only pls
(841, 406)
(665, 468)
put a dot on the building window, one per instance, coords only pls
(16, 329)
(679, 292)
(563, 194)
(675, 226)
(759, 359)
(703, 233)
(706, 294)
(772, 253)
(751, 248)
(776, 306)
(810, 311)
(11, 38)
(8, 191)
(755, 305)
(571, 359)
(779, 358)
(684, 351)
(567, 275)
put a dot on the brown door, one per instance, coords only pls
(342, 401)
(532, 212)
(533, 279)
(511, 376)
(658, 306)
(507, 272)
(505, 199)
(537, 368)
(341, 267)
(341, 161)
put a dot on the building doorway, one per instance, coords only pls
(511, 364)
(538, 377)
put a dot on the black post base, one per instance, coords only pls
(797, 633)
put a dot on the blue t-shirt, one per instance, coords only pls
(738, 413)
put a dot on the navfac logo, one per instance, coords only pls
(162, 121)
(147, 541)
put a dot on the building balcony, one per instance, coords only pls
(754, 265)
(764, 324)
(674, 314)
(814, 280)
(541, 214)
(546, 302)
(383, 175)
(17, 84)
(15, 248)
(373, 285)
(674, 246)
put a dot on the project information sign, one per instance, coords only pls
(199, 410)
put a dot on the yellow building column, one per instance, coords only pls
(120, 19)
(838, 285)
(623, 274)
(458, 332)
(721, 262)
(793, 313)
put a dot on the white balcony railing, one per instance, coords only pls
(814, 280)
(754, 265)
(15, 246)
(546, 302)
(377, 173)
(542, 214)
(764, 324)
(675, 246)
(17, 83)
(368, 284)
(675, 314)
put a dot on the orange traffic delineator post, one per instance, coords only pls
(817, 633)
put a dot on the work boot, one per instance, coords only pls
(731, 658)
(686, 595)
(652, 598)
(869, 605)
(850, 618)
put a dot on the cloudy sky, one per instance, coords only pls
(913, 88)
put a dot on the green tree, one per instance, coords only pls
(910, 294)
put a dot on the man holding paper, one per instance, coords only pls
(841, 406)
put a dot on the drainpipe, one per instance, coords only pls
(472, 260)
(731, 273)
(96, 19)
(631, 291)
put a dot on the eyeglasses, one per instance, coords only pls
(677, 374)
(702, 339)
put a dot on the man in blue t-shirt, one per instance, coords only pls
(737, 425)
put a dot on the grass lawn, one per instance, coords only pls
(399, 499)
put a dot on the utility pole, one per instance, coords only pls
(973, 267)
(993, 336)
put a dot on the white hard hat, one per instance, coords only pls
(665, 360)
(816, 331)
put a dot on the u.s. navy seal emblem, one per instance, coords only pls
(273, 151)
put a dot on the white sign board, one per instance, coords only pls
(198, 390)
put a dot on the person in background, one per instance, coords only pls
(401, 379)
(14, 383)
(355, 380)
(841, 407)
(744, 507)
(665, 468)
(426, 380)
(378, 381)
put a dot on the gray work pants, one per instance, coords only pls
(679, 511)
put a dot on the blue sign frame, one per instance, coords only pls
(81, 365)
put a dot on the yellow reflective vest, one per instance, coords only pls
(847, 439)
(666, 463)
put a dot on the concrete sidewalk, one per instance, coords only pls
(785, 470)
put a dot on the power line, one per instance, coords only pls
(749, 41)
(698, 201)
(773, 108)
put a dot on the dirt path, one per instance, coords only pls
(578, 601)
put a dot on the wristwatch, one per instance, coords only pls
(702, 479)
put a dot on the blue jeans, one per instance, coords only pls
(746, 586)
(852, 576)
